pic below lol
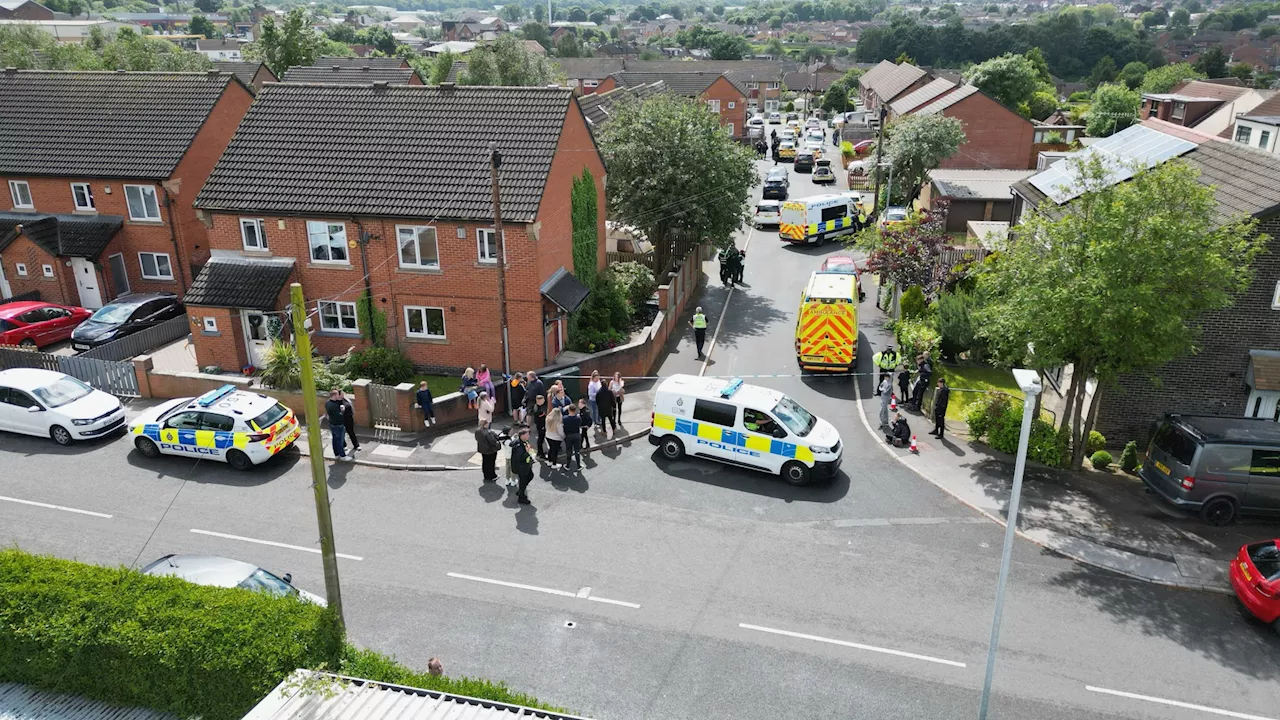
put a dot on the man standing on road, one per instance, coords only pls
(535, 388)
(941, 397)
(337, 424)
(699, 325)
(488, 444)
(522, 464)
(886, 360)
(885, 391)
(572, 425)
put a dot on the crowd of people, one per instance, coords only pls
(888, 363)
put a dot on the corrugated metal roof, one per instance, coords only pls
(347, 698)
(978, 184)
(20, 702)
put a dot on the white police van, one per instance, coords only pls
(746, 425)
(239, 428)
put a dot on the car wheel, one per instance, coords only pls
(147, 447)
(796, 473)
(60, 435)
(672, 448)
(1219, 512)
(239, 460)
(28, 343)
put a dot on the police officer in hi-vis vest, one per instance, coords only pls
(886, 360)
(699, 325)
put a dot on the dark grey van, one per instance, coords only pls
(1218, 467)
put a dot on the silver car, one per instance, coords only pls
(228, 573)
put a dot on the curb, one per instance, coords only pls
(1217, 589)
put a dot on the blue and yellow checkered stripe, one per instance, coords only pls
(726, 436)
(218, 439)
(830, 225)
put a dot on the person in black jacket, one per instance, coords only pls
(522, 464)
(337, 424)
(572, 438)
(899, 432)
(488, 444)
(904, 382)
(349, 420)
(533, 389)
(941, 397)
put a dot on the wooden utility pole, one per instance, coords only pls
(315, 444)
(495, 162)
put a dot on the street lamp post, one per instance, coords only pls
(1029, 381)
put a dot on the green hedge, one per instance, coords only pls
(120, 636)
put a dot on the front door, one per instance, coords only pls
(257, 339)
(5, 291)
(119, 278)
(87, 283)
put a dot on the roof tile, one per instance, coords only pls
(239, 283)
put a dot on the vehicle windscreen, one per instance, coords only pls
(270, 417)
(797, 419)
(1176, 443)
(1266, 557)
(61, 392)
(113, 314)
(263, 581)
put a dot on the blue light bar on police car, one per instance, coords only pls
(213, 396)
(731, 388)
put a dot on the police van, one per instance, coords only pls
(816, 219)
(747, 425)
(239, 428)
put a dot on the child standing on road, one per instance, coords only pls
(585, 419)
(616, 386)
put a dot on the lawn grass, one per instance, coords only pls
(439, 384)
(975, 377)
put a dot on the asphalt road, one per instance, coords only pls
(646, 589)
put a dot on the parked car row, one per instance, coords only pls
(34, 324)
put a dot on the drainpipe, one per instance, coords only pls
(173, 238)
(363, 242)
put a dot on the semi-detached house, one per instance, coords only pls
(98, 171)
(713, 88)
(387, 189)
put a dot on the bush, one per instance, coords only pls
(1081, 96)
(375, 666)
(1095, 442)
(602, 319)
(281, 368)
(914, 337)
(637, 284)
(384, 365)
(1129, 458)
(957, 329)
(119, 636)
(982, 415)
(326, 379)
(913, 303)
(1100, 460)
(1000, 420)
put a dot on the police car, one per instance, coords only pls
(239, 428)
(740, 424)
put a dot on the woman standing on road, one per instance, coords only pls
(555, 435)
(593, 387)
(616, 386)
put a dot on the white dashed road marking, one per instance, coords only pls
(856, 646)
(63, 508)
(582, 594)
(272, 543)
(1177, 703)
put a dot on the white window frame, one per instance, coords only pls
(211, 324)
(1264, 139)
(772, 86)
(88, 194)
(733, 104)
(335, 309)
(482, 246)
(408, 309)
(144, 192)
(714, 105)
(1244, 134)
(155, 260)
(417, 231)
(590, 83)
(260, 229)
(313, 231)
(46, 270)
(729, 127)
(14, 186)
(21, 269)
(1275, 298)
(1179, 111)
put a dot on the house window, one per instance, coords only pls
(47, 270)
(21, 269)
(486, 248)
(753, 86)
(590, 83)
(1275, 298)
(714, 105)
(328, 241)
(142, 202)
(732, 104)
(1179, 111)
(155, 266)
(253, 233)
(424, 322)
(338, 317)
(1264, 139)
(729, 127)
(21, 193)
(1243, 133)
(1153, 109)
(83, 196)
(211, 325)
(772, 86)
(418, 247)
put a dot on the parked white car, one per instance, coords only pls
(49, 404)
(228, 573)
(768, 212)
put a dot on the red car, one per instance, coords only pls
(36, 324)
(1255, 576)
(843, 264)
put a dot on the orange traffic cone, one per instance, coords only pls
(893, 402)
(914, 448)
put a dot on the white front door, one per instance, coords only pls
(87, 283)
(256, 338)
(5, 291)
(1263, 404)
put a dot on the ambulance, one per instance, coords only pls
(229, 425)
(816, 219)
(745, 425)
(827, 325)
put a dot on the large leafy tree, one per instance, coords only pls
(917, 144)
(1012, 80)
(287, 44)
(1212, 62)
(908, 253)
(201, 25)
(1114, 281)
(27, 47)
(1162, 79)
(1114, 108)
(675, 174)
(507, 62)
(728, 47)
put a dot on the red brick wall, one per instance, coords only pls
(54, 289)
(606, 85)
(224, 348)
(996, 137)
(726, 93)
(262, 77)
(28, 11)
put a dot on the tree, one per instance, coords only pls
(675, 174)
(128, 50)
(1042, 104)
(380, 38)
(1010, 79)
(1132, 74)
(342, 32)
(774, 48)
(208, 6)
(1104, 71)
(1163, 79)
(1241, 70)
(537, 32)
(1212, 63)
(568, 46)
(577, 14)
(440, 67)
(1036, 56)
(908, 253)
(75, 7)
(288, 44)
(1180, 18)
(728, 47)
(917, 144)
(507, 62)
(201, 25)
(512, 12)
(539, 13)
(813, 53)
(598, 16)
(1080, 290)
(1114, 108)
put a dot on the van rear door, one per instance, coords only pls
(1170, 458)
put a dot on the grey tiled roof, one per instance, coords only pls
(589, 68)
(597, 106)
(83, 236)
(401, 151)
(348, 74)
(919, 96)
(891, 82)
(947, 100)
(239, 283)
(455, 70)
(687, 84)
(130, 125)
(243, 70)
(563, 289)
(373, 62)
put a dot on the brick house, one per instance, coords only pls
(1210, 107)
(252, 73)
(712, 88)
(24, 10)
(885, 82)
(389, 189)
(1236, 367)
(98, 181)
(351, 74)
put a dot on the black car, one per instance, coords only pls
(126, 315)
(775, 189)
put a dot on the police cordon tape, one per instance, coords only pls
(749, 377)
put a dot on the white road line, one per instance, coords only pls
(1176, 703)
(582, 594)
(269, 542)
(63, 508)
(858, 646)
(594, 598)
(724, 311)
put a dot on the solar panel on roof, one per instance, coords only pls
(1133, 149)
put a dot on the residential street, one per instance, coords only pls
(649, 589)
